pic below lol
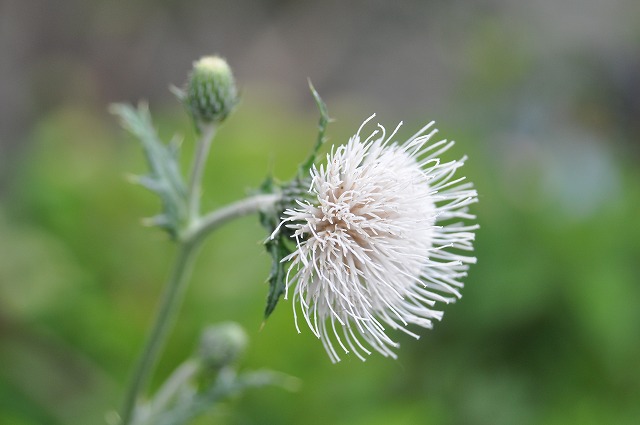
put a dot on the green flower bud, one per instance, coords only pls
(211, 92)
(222, 344)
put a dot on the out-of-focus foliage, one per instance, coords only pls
(547, 331)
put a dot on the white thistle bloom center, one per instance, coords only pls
(377, 241)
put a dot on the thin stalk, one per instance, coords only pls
(197, 169)
(174, 291)
(210, 222)
(173, 385)
(170, 303)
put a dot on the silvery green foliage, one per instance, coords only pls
(210, 375)
(206, 379)
(164, 176)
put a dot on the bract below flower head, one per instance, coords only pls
(377, 241)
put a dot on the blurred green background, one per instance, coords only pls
(543, 96)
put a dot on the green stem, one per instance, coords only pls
(174, 291)
(210, 222)
(173, 385)
(197, 169)
(171, 300)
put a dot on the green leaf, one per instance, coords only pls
(184, 401)
(279, 246)
(322, 128)
(277, 249)
(277, 276)
(164, 176)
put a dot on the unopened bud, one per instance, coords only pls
(222, 344)
(211, 92)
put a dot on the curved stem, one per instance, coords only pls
(175, 289)
(173, 385)
(171, 300)
(210, 222)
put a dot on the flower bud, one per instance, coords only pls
(211, 92)
(222, 344)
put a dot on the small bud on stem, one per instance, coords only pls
(222, 344)
(211, 92)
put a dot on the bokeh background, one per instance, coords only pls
(543, 96)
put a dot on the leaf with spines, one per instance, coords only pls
(164, 176)
(277, 248)
(323, 122)
(280, 245)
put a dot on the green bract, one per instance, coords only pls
(211, 92)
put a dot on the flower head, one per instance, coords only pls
(211, 92)
(377, 241)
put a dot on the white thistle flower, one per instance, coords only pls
(372, 250)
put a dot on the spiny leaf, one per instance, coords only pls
(277, 249)
(277, 276)
(322, 128)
